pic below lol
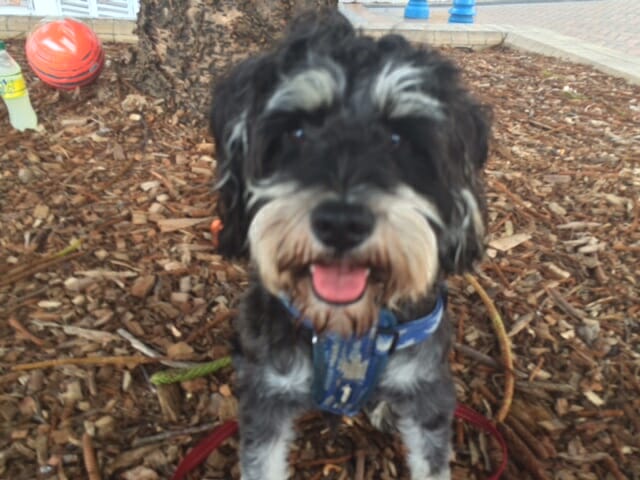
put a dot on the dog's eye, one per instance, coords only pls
(395, 139)
(297, 134)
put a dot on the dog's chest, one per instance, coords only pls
(401, 373)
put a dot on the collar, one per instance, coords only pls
(347, 370)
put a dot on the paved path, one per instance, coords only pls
(610, 23)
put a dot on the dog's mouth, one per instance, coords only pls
(339, 283)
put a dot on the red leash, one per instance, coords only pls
(201, 451)
(480, 421)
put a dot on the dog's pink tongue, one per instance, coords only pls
(339, 283)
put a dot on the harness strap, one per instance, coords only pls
(347, 370)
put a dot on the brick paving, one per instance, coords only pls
(610, 23)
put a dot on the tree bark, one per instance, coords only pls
(185, 44)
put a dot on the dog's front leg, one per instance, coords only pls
(428, 449)
(425, 425)
(265, 437)
(268, 407)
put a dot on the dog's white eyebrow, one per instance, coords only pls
(308, 90)
(268, 189)
(396, 93)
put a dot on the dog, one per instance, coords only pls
(349, 172)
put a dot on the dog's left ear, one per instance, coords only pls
(463, 243)
(233, 98)
(229, 132)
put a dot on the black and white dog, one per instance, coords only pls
(349, 170)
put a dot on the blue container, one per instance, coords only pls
(462, 11)
(417, 9)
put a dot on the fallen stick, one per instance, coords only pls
(360, 464)
(150, 352)
(516, 199)
(90, 461)
(474, 354)
(19, 273)
(220, 317)
(161, 437)
(523, 455)
(505, 347)
(22, 330)
(57, 362)
(72, 247)
(564, 305)
(528, 438)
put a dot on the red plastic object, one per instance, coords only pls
(65, 53)
(468, 414)
(201, 451)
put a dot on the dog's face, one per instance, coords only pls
(349, 167)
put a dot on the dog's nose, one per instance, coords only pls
(341, 225)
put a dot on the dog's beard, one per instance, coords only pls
(397, 263)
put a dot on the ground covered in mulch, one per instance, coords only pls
(105, 250)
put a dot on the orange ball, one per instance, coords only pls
(65, 53)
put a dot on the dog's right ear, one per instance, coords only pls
(232, 104)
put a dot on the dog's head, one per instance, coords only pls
(349, 168)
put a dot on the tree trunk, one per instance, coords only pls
(185, 44)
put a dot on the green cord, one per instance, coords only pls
(184, 374)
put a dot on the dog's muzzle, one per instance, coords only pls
(340, 227)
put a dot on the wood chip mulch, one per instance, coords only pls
(105, 249)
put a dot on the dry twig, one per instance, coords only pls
(150, 352)
(563, 304)
(516, 199)
(161, 437)
(505, 347)
(361, 455)
(22, 330)
(90, 461)
(20, 273)
(523, 455)
(58, 362)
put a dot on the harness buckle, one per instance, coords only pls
(386, 341)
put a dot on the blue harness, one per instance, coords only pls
(346, 370)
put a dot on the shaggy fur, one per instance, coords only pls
(338, 149)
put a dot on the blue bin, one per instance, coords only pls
(417, 9)
(462, 11)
